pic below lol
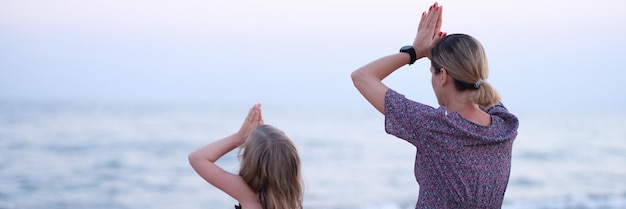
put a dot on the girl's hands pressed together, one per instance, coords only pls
(429, 31)
(254, 119)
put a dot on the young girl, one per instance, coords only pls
(269, 175)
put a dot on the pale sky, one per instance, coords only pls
(544, 56)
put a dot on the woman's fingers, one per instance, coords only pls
(439, 19)
(432, 17)
(422, 22)
(428, 30)
(424, 19)
(438, 37)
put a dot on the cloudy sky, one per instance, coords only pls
(560, 55)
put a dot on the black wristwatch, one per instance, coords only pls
(409, 49)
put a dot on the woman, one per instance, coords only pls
(269, 175)
(463, 156)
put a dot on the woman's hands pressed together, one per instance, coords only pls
(429, 31)
(368, 79)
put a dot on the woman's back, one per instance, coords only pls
(458, 163)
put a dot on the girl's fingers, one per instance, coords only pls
(260, 115)
(253, 114)
(249, 116)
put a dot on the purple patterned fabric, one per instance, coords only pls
(458, 164)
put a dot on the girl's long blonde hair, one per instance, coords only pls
(270, 165)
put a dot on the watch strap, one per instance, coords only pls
(411, 51)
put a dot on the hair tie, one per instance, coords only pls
(477, 84)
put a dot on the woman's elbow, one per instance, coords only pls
(193, 158)
(357, 78)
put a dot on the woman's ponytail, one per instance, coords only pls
(486, 95)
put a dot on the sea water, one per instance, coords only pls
(135, 157)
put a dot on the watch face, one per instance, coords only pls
(404, 48)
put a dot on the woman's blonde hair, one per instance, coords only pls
(464, 59)
(270, 165)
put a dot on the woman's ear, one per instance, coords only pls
(444, 76)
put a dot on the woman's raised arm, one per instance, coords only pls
(368, 79)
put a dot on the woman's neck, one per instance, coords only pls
(461, 103)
